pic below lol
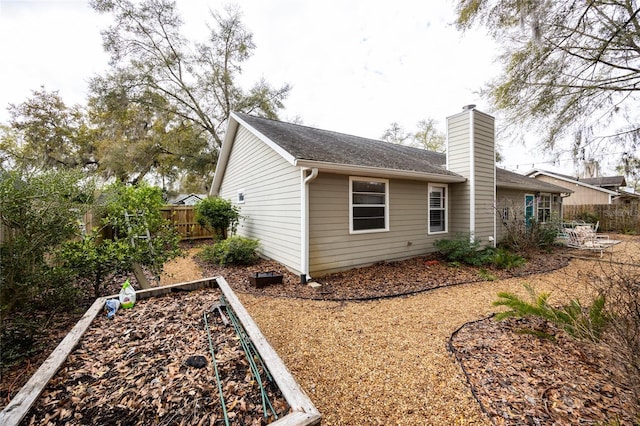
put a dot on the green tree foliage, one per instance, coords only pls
(427, 135)
(137, 135)
(570, 69)
(143, 203)
(218, 215)
(45, 133)
(95, 258)
(99, 255)
(199, 81)
(38, 212)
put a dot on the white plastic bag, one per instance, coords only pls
(127, 295)
(111, 306)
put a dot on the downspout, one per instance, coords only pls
(472, 176)
(304, 222)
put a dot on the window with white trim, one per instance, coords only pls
(505, 214)
(544, 208)
(368, 205)
(437, 209)
(240, 194)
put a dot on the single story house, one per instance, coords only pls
(321, 201)
(586, 191)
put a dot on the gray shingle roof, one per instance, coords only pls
(508, 179)
(611, 182)
(308, 143)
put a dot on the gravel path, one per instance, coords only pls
(382, 362)
(386, 362)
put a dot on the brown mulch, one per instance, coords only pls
(524, 379)
(382, 280)
(385, 361)
(139, 369)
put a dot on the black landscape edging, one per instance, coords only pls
(453, 351)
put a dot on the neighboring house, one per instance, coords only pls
(321, 201)
(187, 199)
(600, 190)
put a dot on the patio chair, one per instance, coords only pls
(585, 238)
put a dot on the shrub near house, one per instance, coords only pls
(221, 216)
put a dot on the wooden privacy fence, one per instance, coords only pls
(623, 218)
(184, 219)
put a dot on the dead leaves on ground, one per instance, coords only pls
(523, 379)
(383, 279)
(133, 370)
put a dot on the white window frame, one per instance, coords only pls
(445, 189)
(505, 214)
(539, 210)
(351, 204)
(240, 196)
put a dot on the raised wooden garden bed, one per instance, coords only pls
(138, 369)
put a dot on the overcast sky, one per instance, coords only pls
(354, 66)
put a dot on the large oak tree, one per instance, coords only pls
(45, 133)
(571, 70)
(199, 81)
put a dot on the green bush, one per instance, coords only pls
(486, 275)
(235, 250)
(96, 258)
(39, 211)
(504, 259)
(218, 215)
(462, 248)
(582, 322)
(141, 199)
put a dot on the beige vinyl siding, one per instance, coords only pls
(331, 246)
(476, 161)
(513, 199)
(484, 160)
(458, 162)
(271, 187)
(581, 194)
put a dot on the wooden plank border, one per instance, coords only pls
(303, 409)
(304, 413)
(19, 406)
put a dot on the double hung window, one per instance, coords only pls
(544, 208)
(368, 205)
(437, 208)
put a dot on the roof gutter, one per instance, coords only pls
(377, 171)
(306, 179)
